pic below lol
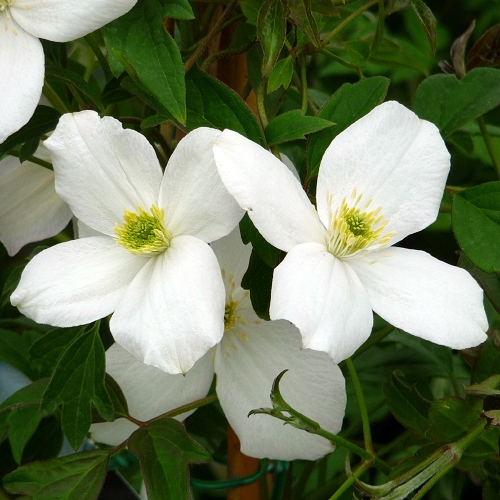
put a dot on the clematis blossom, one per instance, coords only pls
(30, 209)
(249, 357)
(22, 64)
(149, 262)
(380, 180)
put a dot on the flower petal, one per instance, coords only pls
(393, 158)
(233, 257)
(30, 209)
(22, 66)
(62, 21)
(173, 312)
(76, 282)
(246, 366)
(102, 169)
(267, 189)
(424, 296)
(324, 298)
(150, 392)
(192, 194)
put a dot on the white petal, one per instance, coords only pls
(195, 200)
(424, 296)
(30, 209)
(324, 298)
(102, 169)
(76, 282)
(65, 20)
(246, 366)
(173, 312)
(150, 392)
(393, 158)
(22, 68)
(267, 189)
(233, 257)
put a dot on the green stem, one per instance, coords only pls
(303, 83)
(298, 84)
(362, 406)
(54, 98)
(357, 450)
(335, 57)
(225, 53)
(100, 56)
(346, 21)
(188, 407)
(32, 159)
(215, 30)
(489, 145)
(261, 107)
(350, 480)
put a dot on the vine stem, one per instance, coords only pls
(489, 145)
(218, 26)
(350, 480)
(345, 22)
(362, 406)
(32, 159)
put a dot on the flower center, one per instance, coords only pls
(143, 232)
(353, 227)
(230, 318)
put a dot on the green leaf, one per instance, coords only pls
(348, 104)
(28, 149)
(23, 422)
(258, 280)
(14, 349)
(388, 52)
(178, 9)
(488, 362)
(211, 104)
(476, 223)
(44, 120)
(488, 387)
(301, 13)
(427, 20)
(32, 393)
(46, 442)
(250, 234)
(154, 56)
(293, 125)
(47, 350)
(406, 404)
(74, 477)
(74, 80)
(271, 26)
(280, 75)
(451, 103)
(78, 380)
(120, 406)
(359, 50)
(451, 418)
(457, 51)
(251, 10)
(164, 450)
(490, 283)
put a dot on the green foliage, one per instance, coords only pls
(153, 55)
(271, 27)
(281, 75)
(73, 477)
(476, 223)
(212, 104)
(451, 103)
(164, 450)
(406, 404)
(43, 120)
(78, 381)
(293, 125)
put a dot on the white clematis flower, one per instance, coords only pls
(151, 263)
(380, 180)
(30, 209)
(250, 356)
(22, 23)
